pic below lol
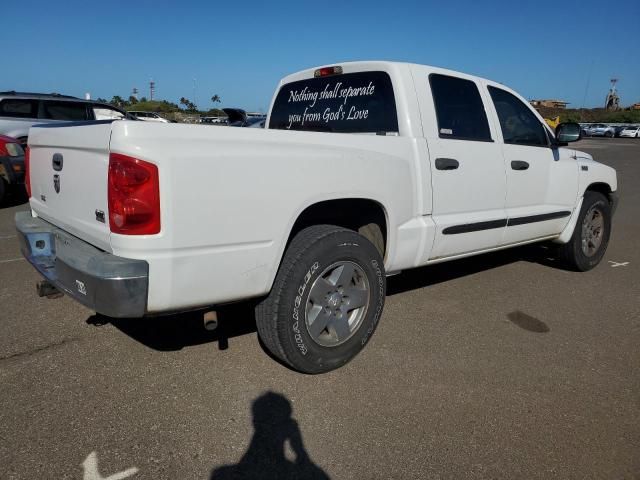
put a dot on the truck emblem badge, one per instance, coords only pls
(81, 287)
(56, 183)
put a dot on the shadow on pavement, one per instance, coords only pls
(174, 332)
(441, 272)
(265, 457)
(14, 197)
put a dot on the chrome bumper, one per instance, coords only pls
(110, 285)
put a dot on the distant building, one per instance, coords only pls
(635, 106)
(549, 103)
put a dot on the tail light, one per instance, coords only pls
(134, 196)
(27, 171)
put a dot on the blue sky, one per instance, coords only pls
(240, 49)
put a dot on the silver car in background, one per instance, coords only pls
(599, 130)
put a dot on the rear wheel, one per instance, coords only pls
(608, 134)
(326, 300)
(3, 189)
(591, 235)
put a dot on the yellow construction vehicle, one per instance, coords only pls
(553, 122)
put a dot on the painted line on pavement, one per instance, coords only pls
(90, 467)
(618, 264)
(11, 260)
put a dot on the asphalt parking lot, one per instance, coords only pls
(501, 366)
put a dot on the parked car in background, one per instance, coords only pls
(19, 111)
(630, 132)
(239, 118)
(599, 130)
(149, 116)
(11, 165)
(214, 120)
(617, 129)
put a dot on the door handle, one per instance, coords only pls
(519, 165)
(447, 164)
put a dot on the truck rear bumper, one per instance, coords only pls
(110, 285)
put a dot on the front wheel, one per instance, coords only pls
(591, 235)
(326, 300)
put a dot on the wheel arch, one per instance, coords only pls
(351, 212)
(601, 187)
(606, 190)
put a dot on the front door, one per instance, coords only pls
(542, 180)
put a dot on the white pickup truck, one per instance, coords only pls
(365, 169)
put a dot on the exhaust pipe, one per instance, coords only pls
(47, 289)
(210, 320)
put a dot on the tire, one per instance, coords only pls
(608, 134)
(589, 242)
(330, 277)
(3, 190)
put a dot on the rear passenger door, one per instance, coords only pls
(468, 177)
(542, 180)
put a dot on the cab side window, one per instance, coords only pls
(459, 109)
(518, 123)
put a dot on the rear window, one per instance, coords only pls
(360, 102)
(19, 108)
(64, 111)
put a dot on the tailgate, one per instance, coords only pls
(68, 169)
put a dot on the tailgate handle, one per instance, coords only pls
(57, 162)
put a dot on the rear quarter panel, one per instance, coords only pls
(229, 197)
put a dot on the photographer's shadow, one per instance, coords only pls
(265, 458)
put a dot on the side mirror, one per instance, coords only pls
(567, 132)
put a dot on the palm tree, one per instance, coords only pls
(215, 99)
(117, 101)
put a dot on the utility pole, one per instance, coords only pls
(152, 88)
(194, 92)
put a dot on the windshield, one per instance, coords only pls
(360, 102)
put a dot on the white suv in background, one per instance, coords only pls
(19, 111)
(149, 116)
